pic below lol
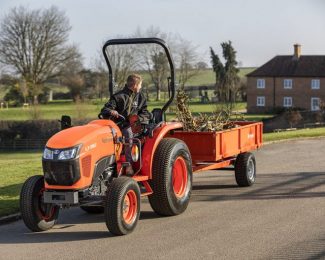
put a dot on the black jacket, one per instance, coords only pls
(127, 104)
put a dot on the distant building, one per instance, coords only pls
(287, 81)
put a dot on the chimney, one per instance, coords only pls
(297, 51)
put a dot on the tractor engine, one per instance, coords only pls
(82, 156)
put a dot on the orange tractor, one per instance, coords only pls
(84, 165)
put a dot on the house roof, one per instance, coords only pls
(287, 66)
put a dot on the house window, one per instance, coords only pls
(315, 84)
(287, 83)
(260, 83)
(315, 103)
(287, 101)
(260, 102)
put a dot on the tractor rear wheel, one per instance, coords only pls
(122, 206)
(245, 169)
(37, 215)
(93, 209)
(171, 178)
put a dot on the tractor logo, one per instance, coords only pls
(90, 147)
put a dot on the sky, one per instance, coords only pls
(258, 29)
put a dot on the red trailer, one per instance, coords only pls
(212, 150)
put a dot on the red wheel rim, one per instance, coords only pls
(41, 210)
(179, 177)
(130, 207)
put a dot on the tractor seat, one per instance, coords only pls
(157, 115)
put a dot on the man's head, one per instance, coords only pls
(134, 82)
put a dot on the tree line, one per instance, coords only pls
(34, 49)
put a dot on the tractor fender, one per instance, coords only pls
(152, 143)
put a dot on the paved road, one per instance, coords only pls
(281, 217)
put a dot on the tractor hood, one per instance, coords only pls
(83, 134)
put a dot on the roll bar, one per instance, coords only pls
(142, 41)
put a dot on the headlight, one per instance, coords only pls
(61, 154)
(68, 154)
(48, 154)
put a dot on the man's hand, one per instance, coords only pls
(114, 113)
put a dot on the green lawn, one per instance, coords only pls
(15, 168)
(90, 109)
(312, 132)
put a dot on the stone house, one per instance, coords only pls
(287, 81)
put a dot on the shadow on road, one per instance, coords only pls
(313, 250)
(12, 235)
(53, 236)
(268, 186)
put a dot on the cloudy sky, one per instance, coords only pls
(259, 29)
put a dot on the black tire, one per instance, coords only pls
(122, 217)
(165, 201)
(93, 209)
(33, 209)
(245, 169)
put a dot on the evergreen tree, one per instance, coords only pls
(227, 78)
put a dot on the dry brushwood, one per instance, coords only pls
(220, 120)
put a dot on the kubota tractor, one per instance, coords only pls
(84, 166)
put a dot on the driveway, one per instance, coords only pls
(281, 217)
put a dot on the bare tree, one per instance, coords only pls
(101, 75)
(202, 65)
(153, 59)
(75, 83)
(122, 60)
(187, 55)
(71, 76)
(158, 72)
(34, 44)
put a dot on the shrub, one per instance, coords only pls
(293, 117)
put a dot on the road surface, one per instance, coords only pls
(281, 217)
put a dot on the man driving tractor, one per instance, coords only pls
(127, 103)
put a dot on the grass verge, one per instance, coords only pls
(302, 133)
(15, 168)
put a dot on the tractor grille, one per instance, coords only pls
(63, 173)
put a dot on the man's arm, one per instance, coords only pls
(109, 108)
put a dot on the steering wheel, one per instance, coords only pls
(100, 116)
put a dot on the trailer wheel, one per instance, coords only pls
(37, 216)
(122, 206)
(92, 209)
(171, 178)
(245, 169)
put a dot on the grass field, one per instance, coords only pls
(312, 132)
(90, 110)
(17, 167)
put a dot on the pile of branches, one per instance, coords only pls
(218, 121)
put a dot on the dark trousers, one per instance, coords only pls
(128, 134)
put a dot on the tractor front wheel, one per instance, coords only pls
(37, 215)
(171, 177)
(122, 206)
